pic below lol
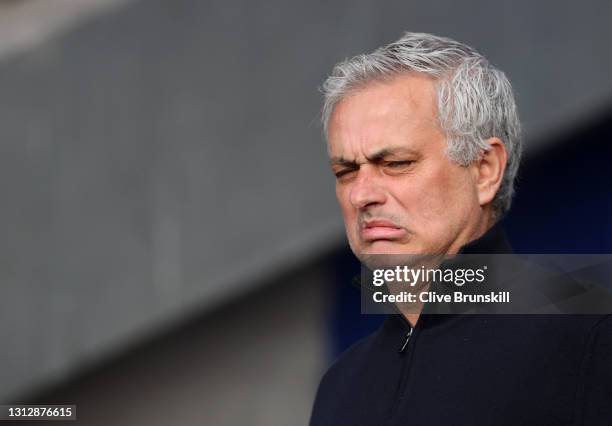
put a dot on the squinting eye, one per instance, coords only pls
(398, 164)
(344, 172)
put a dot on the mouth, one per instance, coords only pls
(375, 230)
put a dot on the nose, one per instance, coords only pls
(367, 190)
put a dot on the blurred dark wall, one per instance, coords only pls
(256, 360)
(564, 197)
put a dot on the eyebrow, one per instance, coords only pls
(374, 158)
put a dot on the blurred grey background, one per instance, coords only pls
(167, 210)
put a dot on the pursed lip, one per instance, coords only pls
(373, 230)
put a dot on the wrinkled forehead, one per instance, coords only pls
(399, 113)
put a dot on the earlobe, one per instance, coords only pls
(491, 167)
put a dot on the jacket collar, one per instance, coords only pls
(494, 241)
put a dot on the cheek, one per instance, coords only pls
(349, 216)
(343, 197)
(437, 197)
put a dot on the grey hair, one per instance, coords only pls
(475, 100)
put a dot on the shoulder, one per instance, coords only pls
(599, 343)
(566, 332)
(356, 357)
(557, 324)
(593, 404)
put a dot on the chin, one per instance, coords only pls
(388, 247)
(381, 254)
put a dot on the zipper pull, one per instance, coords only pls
(405, 344)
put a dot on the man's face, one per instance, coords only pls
(398, 190)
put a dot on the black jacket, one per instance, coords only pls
(474, 370)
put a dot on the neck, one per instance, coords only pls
(473, 231)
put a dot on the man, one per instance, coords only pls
(424, 141)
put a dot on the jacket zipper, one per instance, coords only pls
(404, 370)
(404, 346)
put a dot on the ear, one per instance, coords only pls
(489, 170)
